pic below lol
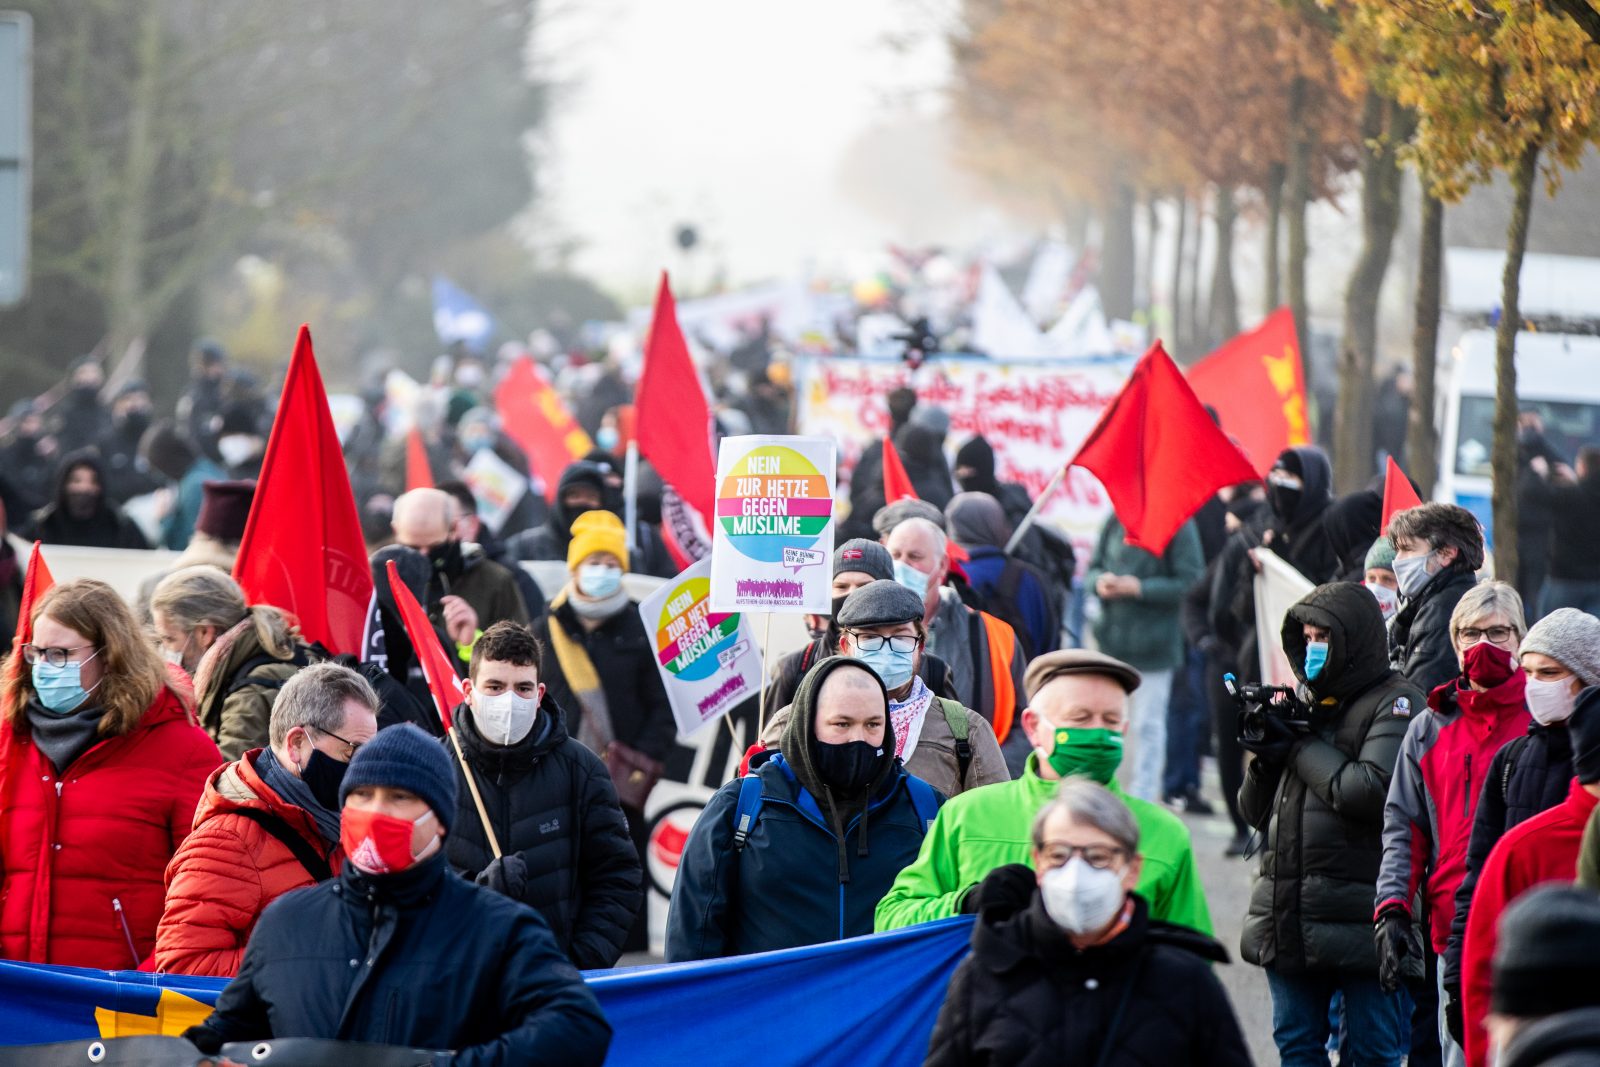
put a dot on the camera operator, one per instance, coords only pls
(1316, 784)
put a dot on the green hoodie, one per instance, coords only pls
(989, 827)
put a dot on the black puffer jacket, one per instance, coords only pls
(552, 804)
(1322, 811)
(1527, 776)
(1026, 997)
(1420, 633)
(420, 958)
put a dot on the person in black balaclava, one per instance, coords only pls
(79, 418)
(584, 486)
(866, 480)
(81, 514)
(842, 818)
(127, 475)
(28, 459)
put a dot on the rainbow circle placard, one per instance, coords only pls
(689, 637)
(773, 498)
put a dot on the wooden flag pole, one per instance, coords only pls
(761, 715)
(477, 798)
(1033, 512)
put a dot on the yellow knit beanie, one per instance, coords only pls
(596, 531)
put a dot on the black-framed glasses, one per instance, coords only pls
(350, 746)
(901, 643)
(1498, 635)
(55, 657)
(1100, 857)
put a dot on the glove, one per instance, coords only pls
(1453, 1020)
(203, 1038)
(1395, 938)
(1276, 744)
(507, 876)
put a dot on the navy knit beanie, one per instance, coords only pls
(404, 756)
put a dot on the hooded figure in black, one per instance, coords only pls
(866, 480)
(837, 822)
(583, 487)
(82, 514)
(1041, 547)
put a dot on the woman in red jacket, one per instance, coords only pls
(101, 766)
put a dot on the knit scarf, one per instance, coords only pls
(295, 791)
(906, 716)
(595, 731)
(596, 609)
(63, 738)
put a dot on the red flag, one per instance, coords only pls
(443, 681)
(1257, 386)
(533, 415)
(896, 482)
(35, 584)
(674, 421)
(1158, 453)
(418, 474)
(1397, 493)
(302, 549)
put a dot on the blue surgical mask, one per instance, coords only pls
(599, 580)
(894, 668)
(61, 688)
(1316, 658)
(607, 438)
(911, 578)
(1411, 574)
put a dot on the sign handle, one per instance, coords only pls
(477, 798)
(766, 639)
(1033, 512)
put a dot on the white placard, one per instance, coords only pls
(772, 535)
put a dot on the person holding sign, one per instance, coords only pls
(800, 851)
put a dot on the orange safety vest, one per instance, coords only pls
(1002, 643)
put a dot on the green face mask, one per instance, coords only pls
(1094, 754)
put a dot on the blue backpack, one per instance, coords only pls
(923, 800)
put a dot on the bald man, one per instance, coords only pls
(467, 592)
(986, 659)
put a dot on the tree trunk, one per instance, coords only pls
(1353, 456)
(1175, 297)
(127, 317)
(1274, 225)
(1117, 253)
(1422, 440)
(1146, 299)
(1297, 195)
(1223, 320)
(1505, 367)
(1192, 311)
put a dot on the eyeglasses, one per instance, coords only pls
(55, 657)
(1471, 635)
(1099, 857)
(350, 746)
(901, 643)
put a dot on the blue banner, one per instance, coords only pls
(458, 317)
(865, 1000)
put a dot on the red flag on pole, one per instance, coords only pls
(418, 474)
(1158, 453)
(35, 584)
(302, 549)
(1398, 495)
(533, 416)
(1257, 386)
(674, 420)
(443, 681)
(896, 482)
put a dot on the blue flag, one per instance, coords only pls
(458, 317)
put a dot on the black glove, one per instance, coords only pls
(1277, 741)
(1452, 1013)
(1394, 937)
(204, 1039)
(507, 876)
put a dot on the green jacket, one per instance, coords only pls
(989, 827)
(1146, 631)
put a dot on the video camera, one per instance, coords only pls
(1257, 702)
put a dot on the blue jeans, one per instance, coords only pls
(1377, 1024)
(1188, 719)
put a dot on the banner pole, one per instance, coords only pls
(1033, 512)
(630, 493)
(766, 639)
(477, 798)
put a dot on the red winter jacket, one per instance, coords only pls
(1542, 849)
(83, 853)
(1427, 819)
(228, 870)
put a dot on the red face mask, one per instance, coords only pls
(1488, 665)
(380, 844)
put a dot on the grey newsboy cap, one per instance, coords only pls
(887, 518)
(883, 603)
(863, 556)
(1571, 638)
(1078, 661)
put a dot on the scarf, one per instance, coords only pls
(595, 731)
(296, 792)
(906, 716)
(596, 610)
(63, 738)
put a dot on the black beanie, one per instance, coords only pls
(1548, 957)
(1584, 729)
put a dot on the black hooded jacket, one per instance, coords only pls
(1321, 811)
(1420, 647)
(552, 804)
(649, 554)
(106, 527)
(1027, 997)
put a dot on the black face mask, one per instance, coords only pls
(135, 423)
(323, 775)
(1284, 500)
(446, 558)
(849, 769)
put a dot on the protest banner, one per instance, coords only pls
(1278, 587)
(709, 661)
(496, 485)
(773, 535)
(1035, 414)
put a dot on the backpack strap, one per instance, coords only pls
(924, 801)
(314, 862)
(747, 810)
(955, 716)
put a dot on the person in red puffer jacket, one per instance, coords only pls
(268, 823)
(101, 766)
(1439, 777)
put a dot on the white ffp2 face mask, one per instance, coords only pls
(504, 718)
(1388, 599)
(1550, 702)
(1079, 898)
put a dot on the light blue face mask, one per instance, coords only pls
(1316, 658)
(894, 668)
(60, 689)
(911, 578)
(598, 580)
(607, 438)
